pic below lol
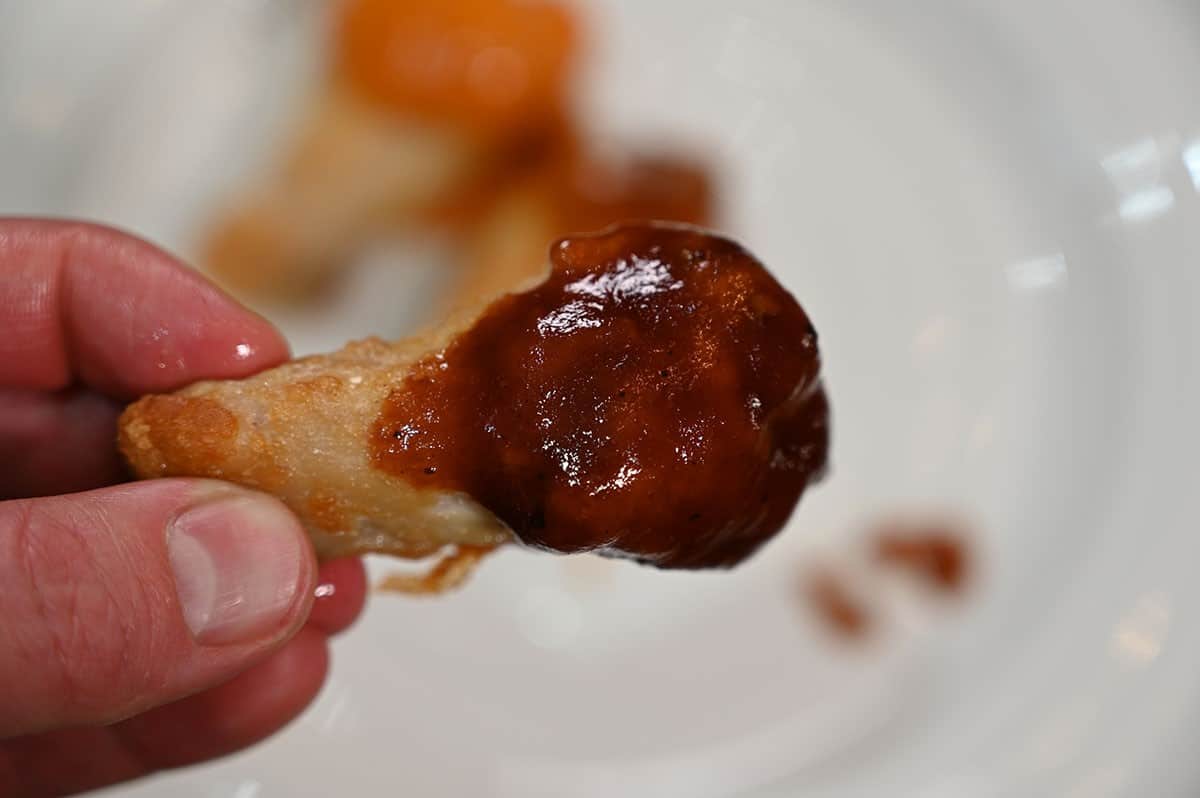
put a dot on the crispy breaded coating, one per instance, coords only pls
(300, 432)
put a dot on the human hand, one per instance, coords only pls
(144, 625)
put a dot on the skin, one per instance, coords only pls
(91, 318)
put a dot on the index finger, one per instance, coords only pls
(81, 303)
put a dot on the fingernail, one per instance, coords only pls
(238, 563)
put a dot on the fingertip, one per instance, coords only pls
(94, 304)
(244, 570)
(177, 327)
(258, 344)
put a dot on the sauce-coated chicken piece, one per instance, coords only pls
(656, 397)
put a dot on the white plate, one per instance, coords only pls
(990, 210)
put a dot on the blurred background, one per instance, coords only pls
(990, 213)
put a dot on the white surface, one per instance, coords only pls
(991, 212)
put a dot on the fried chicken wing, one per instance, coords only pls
(656, 396)
(422, 98)
(347, 175)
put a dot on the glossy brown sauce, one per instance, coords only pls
(936, 553)
(656, 398)
(843, 613)
(934, 550)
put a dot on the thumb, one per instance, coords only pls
(121, 599)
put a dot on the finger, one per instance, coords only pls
(227, 718)
(85, 303)
(340, 595)
(122, 599)
(57, 443)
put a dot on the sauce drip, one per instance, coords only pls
(656, 398)
(836, 605)
(934, 552)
